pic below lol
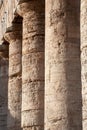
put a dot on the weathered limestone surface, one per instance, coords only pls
(26, 92)
(62, 66)
(84, 60)
(3, 87)
(14, 37)
(7, 14)
(33, 64)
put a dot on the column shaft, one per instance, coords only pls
(14, 37)
(33, 65)
(3, 88)
(84, 61)
(62, 66)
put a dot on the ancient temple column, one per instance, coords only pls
(32, 64)
(14, 37)
(84, 61)
(62, 66)
(3, 86)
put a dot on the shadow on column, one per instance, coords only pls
(73, 67)
(3, 85)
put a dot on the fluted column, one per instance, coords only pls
(84, 61)
(14, 37)
(32, 64)
(62, 66)
(3, 86)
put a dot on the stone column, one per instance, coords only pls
(3, 86)
(84, 60)
(14, 37)
(62, 66)
(32, 64)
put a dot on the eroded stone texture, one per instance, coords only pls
(14, 37)
(3, 88)
(33, 64)
(84, 60)
(62, 66)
